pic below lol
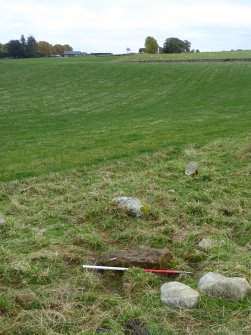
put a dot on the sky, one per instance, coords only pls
(115, 25)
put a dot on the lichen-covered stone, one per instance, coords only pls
(132, 206)
(176, 294)
(191, 169)
(220, 286)
(143, 257)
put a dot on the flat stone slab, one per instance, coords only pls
(220, 286)
(132, 206)
(176, 294)
(143, 258)
(191, 169)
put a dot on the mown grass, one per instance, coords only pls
(186, 56)
(60, 114)
(87, 131)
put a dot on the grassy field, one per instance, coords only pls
(188, 56)
(60, 114)
(77, 132)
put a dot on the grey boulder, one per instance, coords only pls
(132, 206)
(176, 294)
(191, 169)
(220, 286)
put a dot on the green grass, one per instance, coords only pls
(62, 114)
(187, 56)
(75, 133)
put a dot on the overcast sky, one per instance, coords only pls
(114, 25)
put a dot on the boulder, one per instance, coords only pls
(191, 169)
(220, 286)
(143, 258)
(132, 206)
(206, 244)
(175, 294)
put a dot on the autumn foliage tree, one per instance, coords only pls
(67, 47)
(151, 45)
(44, 49)
(3, 50)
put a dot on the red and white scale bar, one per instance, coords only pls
(115, 268)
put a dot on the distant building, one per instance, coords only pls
(72, 53)
(160, 50)
(142, 50)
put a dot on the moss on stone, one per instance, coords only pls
(145, 209)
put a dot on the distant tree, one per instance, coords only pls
(67, 47)
(58, 49)
(197, 50)
(15, 49)
(187, 45)
(44, 49)
(31, 47)
(3, 50)
(151, 45)
(128, 50)
(175, 45)
(23, 44)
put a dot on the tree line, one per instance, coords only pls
(30, 48)
(171, 45)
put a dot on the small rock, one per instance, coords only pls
(220, 286)
(176, 294)
(206, 244)
(191, 169)
(2, 222)
(132, 206)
